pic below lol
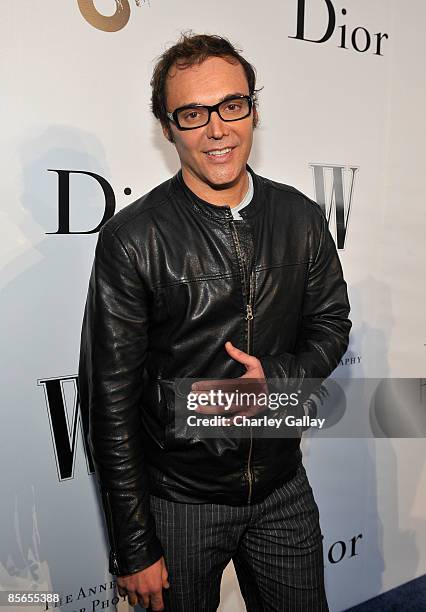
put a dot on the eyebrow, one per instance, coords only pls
(227, 97)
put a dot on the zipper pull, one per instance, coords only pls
(114, 563)
(249, 315)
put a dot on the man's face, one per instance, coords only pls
(208, 83)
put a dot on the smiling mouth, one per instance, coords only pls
(219, 152)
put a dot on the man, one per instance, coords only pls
(217, 273)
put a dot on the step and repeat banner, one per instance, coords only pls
(342, 119)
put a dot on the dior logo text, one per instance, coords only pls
(357, 38)
(64, 200)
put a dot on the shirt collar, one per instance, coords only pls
(235, 210)
(224, 212)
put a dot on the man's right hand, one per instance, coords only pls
(146, 586)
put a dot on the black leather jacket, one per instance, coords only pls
(173, 278)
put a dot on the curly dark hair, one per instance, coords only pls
(193, 49)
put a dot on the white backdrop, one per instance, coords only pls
(75, 97)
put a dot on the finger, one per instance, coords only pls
(157, 601)
(132, 598)
(248, 360)
(143, 599)
(255, 385)
(251, 384)
(210, 410)
(165, 578)
(121, 591)
(222, 384)
(205, 385)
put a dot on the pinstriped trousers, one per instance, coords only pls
(275, 545)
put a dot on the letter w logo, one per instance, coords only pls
(331, 194)
(64, 432)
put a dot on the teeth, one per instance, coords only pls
(219, 152)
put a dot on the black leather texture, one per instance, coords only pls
(173, 279)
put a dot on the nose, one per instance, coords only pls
(216, 128)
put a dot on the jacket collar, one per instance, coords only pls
(221, 213)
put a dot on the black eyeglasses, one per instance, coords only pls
(195, 116)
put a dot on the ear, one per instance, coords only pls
(167, 131)
(255, 116)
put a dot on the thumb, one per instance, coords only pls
(164, 576)
(238, 354)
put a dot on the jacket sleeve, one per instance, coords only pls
(112, 355)
(324, 324)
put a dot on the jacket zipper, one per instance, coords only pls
(111, 529)
(240, 257)
(249, 319)
(248, 292)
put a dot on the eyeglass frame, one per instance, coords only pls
(210, 109)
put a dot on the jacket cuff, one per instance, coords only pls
(131, 531)
(136, 560)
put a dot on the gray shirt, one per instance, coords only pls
(245, 201)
